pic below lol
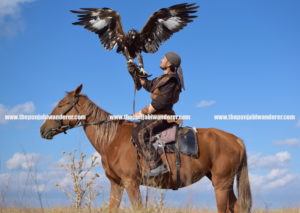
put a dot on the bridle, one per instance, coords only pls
(72, 104)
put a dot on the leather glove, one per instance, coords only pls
(133, 70)
(132, 67)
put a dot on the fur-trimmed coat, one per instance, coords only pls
(165, 91)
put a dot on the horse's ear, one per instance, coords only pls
(78, 90)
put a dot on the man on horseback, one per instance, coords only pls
(165, 92)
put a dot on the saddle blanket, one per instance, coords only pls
(182, 138)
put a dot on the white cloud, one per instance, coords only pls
(22, 161)
(205, 103)
(10, 16)
(280, 159)
(33, 172)
(271, 181)
(282, 181)
(257, 182)
(269, 175)
(289, 142)
(274, 173)
(26, 108)
(5, 178)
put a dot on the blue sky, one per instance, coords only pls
(238, 57)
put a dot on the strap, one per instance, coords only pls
(133, 104)
(178, 165)
(177, 162)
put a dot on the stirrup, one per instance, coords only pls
(160, 170)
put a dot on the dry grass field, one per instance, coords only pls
(83, 192)
(149, 210)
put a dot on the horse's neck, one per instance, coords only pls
(92, 131)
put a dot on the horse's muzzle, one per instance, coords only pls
(46, 133)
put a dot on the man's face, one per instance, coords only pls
(164, 63)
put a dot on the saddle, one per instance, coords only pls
(184, 139)
(176, 140)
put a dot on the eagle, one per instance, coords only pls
(161, 25)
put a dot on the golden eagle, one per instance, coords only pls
(160, 26)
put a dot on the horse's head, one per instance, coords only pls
(67, 106)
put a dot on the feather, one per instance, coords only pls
(164, 23)
(161, 25)
(105, 22)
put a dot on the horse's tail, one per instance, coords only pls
(243, 185)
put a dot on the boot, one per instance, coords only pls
(160, 170)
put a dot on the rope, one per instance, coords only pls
(134, 95)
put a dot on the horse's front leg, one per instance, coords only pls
(116, 192)
(133, 190)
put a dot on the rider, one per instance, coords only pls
(165, 92)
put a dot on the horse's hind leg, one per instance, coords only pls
(134, 194)
(116, 192)
(223, 189)
(233, 205)
(222, 200)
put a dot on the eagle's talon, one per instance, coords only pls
(142, 71)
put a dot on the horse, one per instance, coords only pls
(222, 156)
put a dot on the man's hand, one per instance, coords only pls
(149, 109)
(137, 114)
(143, 81)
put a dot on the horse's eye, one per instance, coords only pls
(61, 105)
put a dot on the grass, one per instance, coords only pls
(128, 210)
(83, 193)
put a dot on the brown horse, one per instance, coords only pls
(222, 156)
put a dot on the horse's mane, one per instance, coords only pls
(105, 132)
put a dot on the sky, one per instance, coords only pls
(238, 57)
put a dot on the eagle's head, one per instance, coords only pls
(132, 36)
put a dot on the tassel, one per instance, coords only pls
(180, 75)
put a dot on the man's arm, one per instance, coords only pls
(163, 101)
(147, 84)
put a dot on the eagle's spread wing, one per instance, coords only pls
(163, 23)
(105, 22)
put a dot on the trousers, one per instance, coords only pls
(141, 136)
